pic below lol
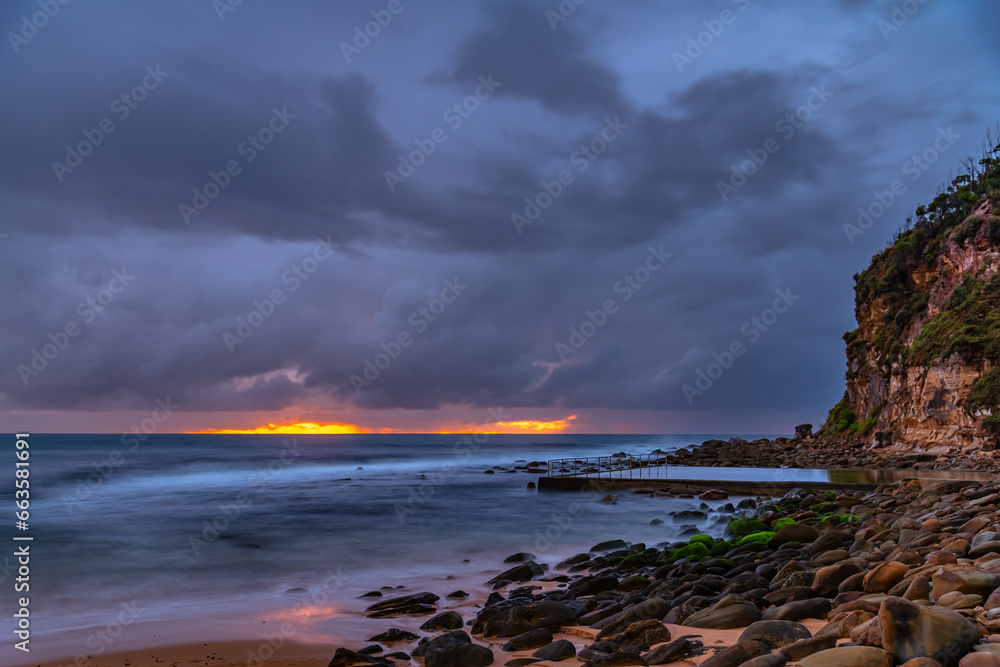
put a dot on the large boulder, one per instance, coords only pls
(736, 655)
(911, 631)
(731, 611)
(547, 614)
(964, 579)
(775, 633)
(849, 656)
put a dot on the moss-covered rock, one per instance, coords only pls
(743, 527)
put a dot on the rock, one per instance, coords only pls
(664, 653)
(965, 581)
(547, 614)
(796, 611)
(921, 662)
(919, 589)
(802, 648)
(457, 594)
(795, 532)
(713, 494)
(654, 608)
(520, 557)
(979, 659)
(520, 662)
(448, 620)
(345, 657)
(956, 600)
(523, 572)
(594, 585)
(418, 603)
(849, 656)
(769, 660)
(912, 631)
(590, 655)
(775, 634)
(884, 576)
(558, 650)
(528, 640)
(827, 579)
(731, 611)
(744, 527)
(642, 633)
(828, 541)
(610, 545)
(803, 431)
(736, 655)
(458, 655)
(394, 635)
(990, 547)
(617, 660)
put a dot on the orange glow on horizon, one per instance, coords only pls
(314, 428)
(301, 428)
(524, 426)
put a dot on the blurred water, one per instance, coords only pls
(112, 525)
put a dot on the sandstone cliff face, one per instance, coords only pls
(928, 336)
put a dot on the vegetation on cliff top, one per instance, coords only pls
(894, 292)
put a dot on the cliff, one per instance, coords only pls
(923, 366)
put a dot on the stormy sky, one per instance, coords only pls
(402, 213)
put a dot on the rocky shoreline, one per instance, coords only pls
(823, 452)
(908, 574)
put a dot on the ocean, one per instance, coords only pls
(187, 525)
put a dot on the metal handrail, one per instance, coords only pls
(607, 466)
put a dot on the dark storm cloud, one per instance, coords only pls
(677, 136)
